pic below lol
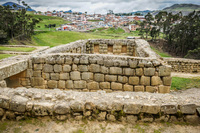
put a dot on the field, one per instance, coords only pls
(46, 20)
(16, 49)
(3, 56)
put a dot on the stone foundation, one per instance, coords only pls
(119, 106)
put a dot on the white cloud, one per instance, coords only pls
(102, 6)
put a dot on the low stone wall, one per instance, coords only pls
(119, 106)
(99, 72)
(183, 65)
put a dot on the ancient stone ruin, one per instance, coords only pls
(71, 81)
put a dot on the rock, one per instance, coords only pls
(111, 118)
(101, 116)
(64, 76)
(139, 71)
(139, 88)
(10, 115)
(69, 84)
(3, 84)
(52, 84)
(169, 109)
(4, 102)
(104, 70)
(68, 60)
(37, 81)
(115, 70)
(110, 78)
(61, 117)
(133, 64)
(188, 108)
(2, 112)
(192, 119)
(84, 60)
(61, 84)
(89, 106)
(94, 68)
(55, 76)
(130, 108)
(57, 68)
(87, 76)
(87, 113)
(93, 86)
(116, 86)
(43, 108)
(75, 75)
(128, 88)
(104, 85)
(150, 109)
(145, 81)
(164, 71)
(80, 84)
(99, 77)
(48, 68)
(131, 119)
(62, 108)
(67, 68)
(167, 81)
(18, 104)
(164, 89)
(122, 79)
(134, 80)
(155, 80)
(128, 71)
(77, 106)
(82, 68)
(149, 71)
(151, 89)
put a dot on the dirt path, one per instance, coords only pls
(49, 126)
(185, 75)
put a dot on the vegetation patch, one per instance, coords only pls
(184, 83)
(162, 54)
(17, 49)
(3, 56)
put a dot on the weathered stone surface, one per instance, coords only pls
(194, 119)
(75, 75)
(61, 84)
(2, 112)
(52, 84)
(131, 119)
(68, 60)
(169, 109)
(89, 106)
(74, 67)
(116, 86)
(60, 60)
(104, 70)
(43, 108)
(167, 81)
(122, 79)
(134, 80)
(84, 60)
(139, 88)
(149, 71)
(77, 106)
(111, 117)
(164, 89)
(37, 66)
(37, 73)
(48, 68)
(67, 68)
(80, 84)
(87, 76)
(151, 89)
(61, 117)
(150, 109)
(46, 76)
(164, 71)
(155, 80)
(64, 76)
(3, 84)
(37, 81)
(93, 86)
(132, 108)
(115, 70)
(55, 76)
(76, 60)
(128, 88)
(128, 71)
(133, 64)
(62, 108)
(94, 68)
(99, 77)
(188, 108)
(18, 104)
(111, 78)
(139, 71)
(145, 81)
(57, 68)
(69, 84)
(101, 116)
(104, 85)
(82, 68)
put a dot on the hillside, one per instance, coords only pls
(17, 6)
(184, 8)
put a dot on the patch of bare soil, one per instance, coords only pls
(49, 126)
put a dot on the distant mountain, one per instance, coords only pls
(17, 6)
(184, 8)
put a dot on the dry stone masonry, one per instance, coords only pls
(128, 107)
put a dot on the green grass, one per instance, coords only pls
(95, 20)
(3, 126)
(184, 83)
(162, 54)
(46, 20)
(3, 56)
(52, 39)
(16, 49)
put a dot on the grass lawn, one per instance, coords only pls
(162, 54)
(16, 49)
(184, 83)
(46, 20)
(3, 56)
(49, 38)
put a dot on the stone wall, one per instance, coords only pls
(90, 72)
(183, 65)
(118, 106)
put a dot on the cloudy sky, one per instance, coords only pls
(101, 6)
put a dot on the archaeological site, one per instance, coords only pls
(107, 80)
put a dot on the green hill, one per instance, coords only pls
(185, 8)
